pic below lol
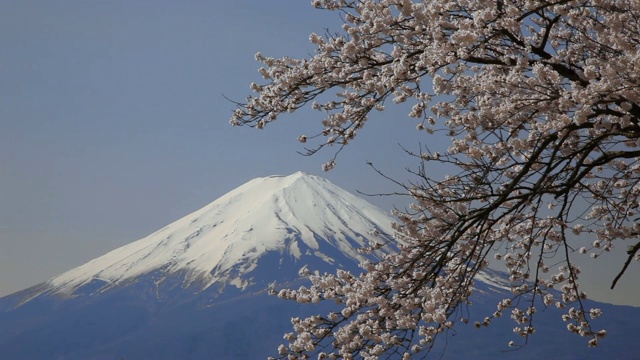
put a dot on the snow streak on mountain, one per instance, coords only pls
(295, 216)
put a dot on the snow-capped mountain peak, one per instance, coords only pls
(296, 215)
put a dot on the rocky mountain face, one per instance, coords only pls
(198, 288)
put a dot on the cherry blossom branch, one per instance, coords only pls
(540, 105)
(631, 252)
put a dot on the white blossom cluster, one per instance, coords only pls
(541, 102)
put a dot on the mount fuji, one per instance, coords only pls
(195, 288)
(198, 288)
(299, 218)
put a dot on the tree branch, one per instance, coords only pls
(632, 252)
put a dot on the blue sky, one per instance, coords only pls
(113, 123)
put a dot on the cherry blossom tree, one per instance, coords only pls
(541, 103)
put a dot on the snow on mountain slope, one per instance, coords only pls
(293, 215)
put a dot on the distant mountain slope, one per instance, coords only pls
(191, 287)
(197, 289)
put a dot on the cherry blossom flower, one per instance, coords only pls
(541, 103)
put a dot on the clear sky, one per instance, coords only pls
(113, 124)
